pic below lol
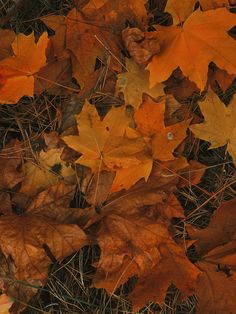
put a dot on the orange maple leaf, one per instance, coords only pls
(17, 71)
(164, 139)
(202, 39)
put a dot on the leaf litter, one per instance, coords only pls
(115, 195)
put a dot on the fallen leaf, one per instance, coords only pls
(23, 238)
(180, 86)
(102, 143)
(215, 291)
(47, 170)
(164, 139)
(5, 303)
(134, 83)
(142, 46)
(207, 33)
(173, 267)
(180, 10)
(219, 126)
(220, 231)
(18, 71)
(10, 159)
(125, 178)
(118, 12)
(221, 77)
(135, 243)
(85, 40)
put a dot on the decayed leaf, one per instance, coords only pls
(202, 38)
(46, 171)
(23, 238)
(134, 83)
(102, 143)
(219, 125)
(17, 72)
(142, 46)
(10, 159)
(164, 139)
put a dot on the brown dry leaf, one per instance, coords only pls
(217, 248)
(215, 291)
(86, 40)
(220, 231)
(142, 46)
(18, 71)
(164, 139)
(23, 238)
(7, 37)
(134, 83)
(118, 12)
(202, 39)
(5, 203)
(219, 125)
(173, 267)
(57, 41)
(138, 242)
(10, 159)
(213, 4)
(221, 77)
(46, 171)
(180, 86)
(53, 204)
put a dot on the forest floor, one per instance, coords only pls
(31, 117)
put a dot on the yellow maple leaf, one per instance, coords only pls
(102, 143)
(48, 170)
(219, 125)
(134, 83)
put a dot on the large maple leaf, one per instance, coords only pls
(17, 71)
(103, 144)
(138, 242)
(219, 125)
(180, 10)
(202, 39)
